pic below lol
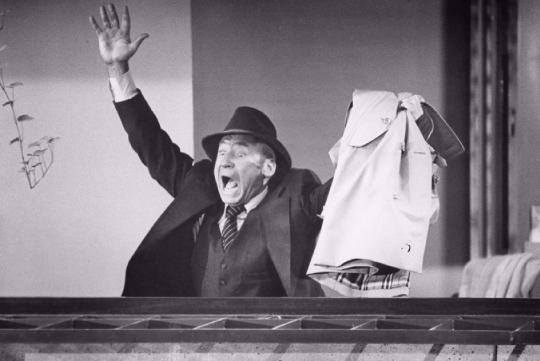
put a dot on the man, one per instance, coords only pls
(241, 224)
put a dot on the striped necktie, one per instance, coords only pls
(230, 230)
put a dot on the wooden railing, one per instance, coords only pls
(263, 320)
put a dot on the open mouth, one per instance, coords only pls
(228, 183)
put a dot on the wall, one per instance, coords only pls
(527, 130)
(299, 62)
(73, 234)
(193, 351)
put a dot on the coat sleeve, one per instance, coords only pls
(163, 158)
(307, 198)
(315, 193)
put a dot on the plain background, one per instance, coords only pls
(74, 233)
(527, 130)
(298, 61)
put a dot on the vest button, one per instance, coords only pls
(222, 282)
(223, 265)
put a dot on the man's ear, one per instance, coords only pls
(268, 169)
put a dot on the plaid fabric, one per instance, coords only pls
(363, 285)
(374, 282)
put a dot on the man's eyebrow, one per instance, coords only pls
(243, 143)
(236, 141)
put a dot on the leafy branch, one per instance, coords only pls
(39, 155)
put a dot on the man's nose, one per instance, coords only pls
(227, 161)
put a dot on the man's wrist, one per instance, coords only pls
(122, 86)
(117, 69)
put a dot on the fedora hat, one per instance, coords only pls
(250, 121)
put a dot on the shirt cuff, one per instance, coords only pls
(122, 87)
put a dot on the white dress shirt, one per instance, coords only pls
(122, 87)
(250, 205)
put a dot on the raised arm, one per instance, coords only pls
(164, 160)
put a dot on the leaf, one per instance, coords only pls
(38, 152)
(14, 140)
(34, 144)
(35, 165)
(13, 85)
(22, 170)
(52, 140)
(46, 139)
(24, 117)
(9, 102)
(3, 47)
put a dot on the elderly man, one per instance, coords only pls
(243, 223)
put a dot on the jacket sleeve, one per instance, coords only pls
(315, 193)
(307, 198)
(164, 160)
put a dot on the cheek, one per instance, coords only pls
(249, 174)
(216, 170)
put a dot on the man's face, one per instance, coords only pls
(241, 170)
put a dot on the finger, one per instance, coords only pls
(95, 25)
(104, 17)
(137, 42)
(114, 16)
(126, 21)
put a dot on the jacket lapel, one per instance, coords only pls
(278, 238)
(194, 197)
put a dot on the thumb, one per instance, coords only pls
(137, 42)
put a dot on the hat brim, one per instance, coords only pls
(210, 144)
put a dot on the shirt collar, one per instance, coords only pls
(251, 204)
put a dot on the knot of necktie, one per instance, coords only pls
(234, 211)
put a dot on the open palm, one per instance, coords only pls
(115, 45)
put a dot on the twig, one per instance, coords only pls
(29, 166)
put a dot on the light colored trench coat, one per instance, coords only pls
(382, 198)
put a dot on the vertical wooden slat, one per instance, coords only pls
(490, 120)
(512, 171)
(492, 25)
(477, 202)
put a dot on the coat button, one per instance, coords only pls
(222, 282)
(223, 265)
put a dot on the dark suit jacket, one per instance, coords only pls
(161, 264)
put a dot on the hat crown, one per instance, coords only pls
(251, 120)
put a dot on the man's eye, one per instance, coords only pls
(240, 155)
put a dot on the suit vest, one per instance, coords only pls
(244, 269)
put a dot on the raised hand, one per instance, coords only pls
(115, 45)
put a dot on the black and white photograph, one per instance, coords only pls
(269, 180)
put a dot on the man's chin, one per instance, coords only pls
(230, 199)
